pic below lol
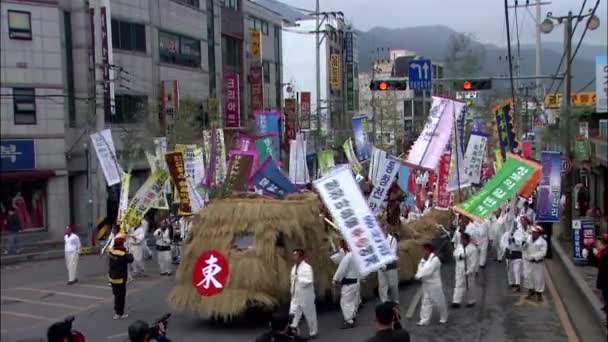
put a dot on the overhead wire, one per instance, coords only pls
(587, 85)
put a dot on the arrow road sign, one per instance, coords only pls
(420, 74)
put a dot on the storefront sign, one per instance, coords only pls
(513, 175)
(601, 84)
(577, 99)
(106, 155)
(443, 197)
(232, 104)
(348, 47)
(549, 189)
(239, 172)
(504, 127)
(17, 154)
(350, 87)
(341, 195)
(169, 105)
(256, 47)
(387, 177)
(267, 123)
(271, 180)
(305, 110)
(362, 148)
(210, 273)
(335, 80)
(290, 120)
(175, 163)
(145, 197)
(475, 156)
(256, 84)
(583, 233)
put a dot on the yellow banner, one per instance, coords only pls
(498, 158)
(335, 79)
(576, 99)
(256, 46)
(146, 196)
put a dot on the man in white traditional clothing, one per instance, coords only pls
(72, 251)
(163, 249)
(497, 230)
(388, 275)
(137, 238)
(483, 238)
(466, 260)
(146, 227)
(536, 250)
(512, 241)
(429, 272)
(303, 294)
(347, 277)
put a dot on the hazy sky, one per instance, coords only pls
(484, 18)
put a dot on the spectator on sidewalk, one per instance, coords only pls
(14, 227)
(72, 251)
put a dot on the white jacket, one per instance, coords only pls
(429, 271)
(302, 283)
(465, 265)
(346, 269)
(162, 237)
(535, 250)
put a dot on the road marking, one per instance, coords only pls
(62, 293)
(22, 315)
(116, 336)
(561, 310)
(41, 302)
(107, 287)
(414, 303)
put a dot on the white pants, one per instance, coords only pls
(138, 259)
(537, 276)
(164, 261)
(306, 307)
(147, 250)
(388, 281)
(526, 269)
(349, 300)
(514, 269)
(465, 288)
(500, 252)
(432, 297)
(71, 261)
(483, 252)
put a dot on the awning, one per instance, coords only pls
(25, 175)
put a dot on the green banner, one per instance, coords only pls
(326, 161)
(505, 184)
(582, 150)
(265, 147)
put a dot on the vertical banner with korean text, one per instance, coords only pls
(123, 201)
(232, 104)
(268, 123)
(362, 146)
(335, 79)
(106, 155)
(385, 180)
(549, 189)
(504, 127)
(265, 147)
(239, 171)
(145, 197)
(474, 156)
(175, 164)
(442, 196)
(256, 86)
(343, 198)
(290, 120)
(169, 104)
(305, 110)
(298, 168)
(155, 163)
(326, 161)
(349, 151)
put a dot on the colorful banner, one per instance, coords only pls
(145, 197)
(175, 163)
(268, 123)
(351, 156)
(326, 161)
(387, 177)
(499, 160)
(527, 190)
(270, 179)
(256, 86)
(252, 153)
(123, 201)
(232, 104)
(290, 120)
(376, 164)
(239, 172)
(155, 163)
(335, 81)
(362, 146)
(583, 234)
(265, 147)
(504, 127)
(513, 175)
(193, 163)
(106, 155)
(474, 156)
(305, 110)
(526, 149)
(549, 189)
(443, 198)
(298, 168)
(343, 198)
(428, 148)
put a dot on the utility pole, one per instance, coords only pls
(564, 120)
(318, 75)
(539, 86)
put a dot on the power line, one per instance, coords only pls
(587, 85)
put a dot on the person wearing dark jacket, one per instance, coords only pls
(118, 272)
(387, 319)
(279, 331)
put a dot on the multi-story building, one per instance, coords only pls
(33, 102)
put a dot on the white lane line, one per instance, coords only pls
(560, 308)
(61, 293)
(107, 287)
(111, 337)
(414, 303)
(22, 315)
(29, 301)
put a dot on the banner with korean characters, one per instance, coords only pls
(362, 145)
(123, 201)
(305, 110)
(443, 198)
(194, 164)
(349, 151)
(265, 147)
(583, 234)
(326, 161)
(343, 198)
(271, 180)
(156, 164)
(298, 168)
(106, 155)
(376, 164)
(232, 103)
(253, 154)
(505, 129)
(256, 87)
(513, 175)
(175, 164)
(335, 79)
(145, 197)
(385, 180)
(269, 123)
(475, 155)
(586, 98)
(550, 188)
(458, 178)
(216, 169)
(290, 120)
(239, 171)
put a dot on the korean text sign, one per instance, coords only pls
(231, 100)
(106, 154)
(342, 196)
(385, 180)
(146, 196)
(175, 163)
(549, 189)
(268, 123)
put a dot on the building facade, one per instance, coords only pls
(33, 172)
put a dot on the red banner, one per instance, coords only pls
(305, 110)
(442, 196)
(231, 100)
(256, 83)
(290, 120)
(526, 149)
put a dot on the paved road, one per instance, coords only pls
(34, 295)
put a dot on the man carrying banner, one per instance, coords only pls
(466, 260)
(347, 277)
(512, 242)
(163, 249)
(388, 275)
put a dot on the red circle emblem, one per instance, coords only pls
(210, 273)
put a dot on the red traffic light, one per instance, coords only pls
(467, 85)
(382, 85)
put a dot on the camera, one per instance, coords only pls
(155, 328)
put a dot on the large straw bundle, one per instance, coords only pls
(259, 276)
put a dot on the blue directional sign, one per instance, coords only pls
(17, 154)
(420, 74)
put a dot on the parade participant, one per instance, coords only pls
(303, 293)
(119, 259)
(497, 230)
(385, 320)
(163, 249)
(137, 239)
(512, 241)
(14, 227)
(525, 225)
(110, 241)
(529, 213)
(72, 251)
(466, 260)
(536, 249)
(483, 236)
(429, 272)
(347, 277)
(388, 275)
(145, 224)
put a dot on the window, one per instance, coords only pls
(128, 36)
(191, 3)
(128, 108)
(266, 68)
(24, 100)
(260, 25)
(180, 50)
(233, 4)
(19, 25)
(231, 52)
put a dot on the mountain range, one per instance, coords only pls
(432, 42)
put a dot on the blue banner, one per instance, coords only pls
(506, 134)
(269, 123)
(549, 188)
(362, 148)
(17, 154)
(460, 121)
(403, 181)
(583, 234)
(271, 180)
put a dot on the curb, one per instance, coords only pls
(580, 283)
(40, 256)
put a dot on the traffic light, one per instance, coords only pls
(473, 85)
(385, 85)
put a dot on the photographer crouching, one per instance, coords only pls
(388, 320)
(140, 331)
(280, 330)
(62, 332)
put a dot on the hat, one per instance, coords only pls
(537, 229)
